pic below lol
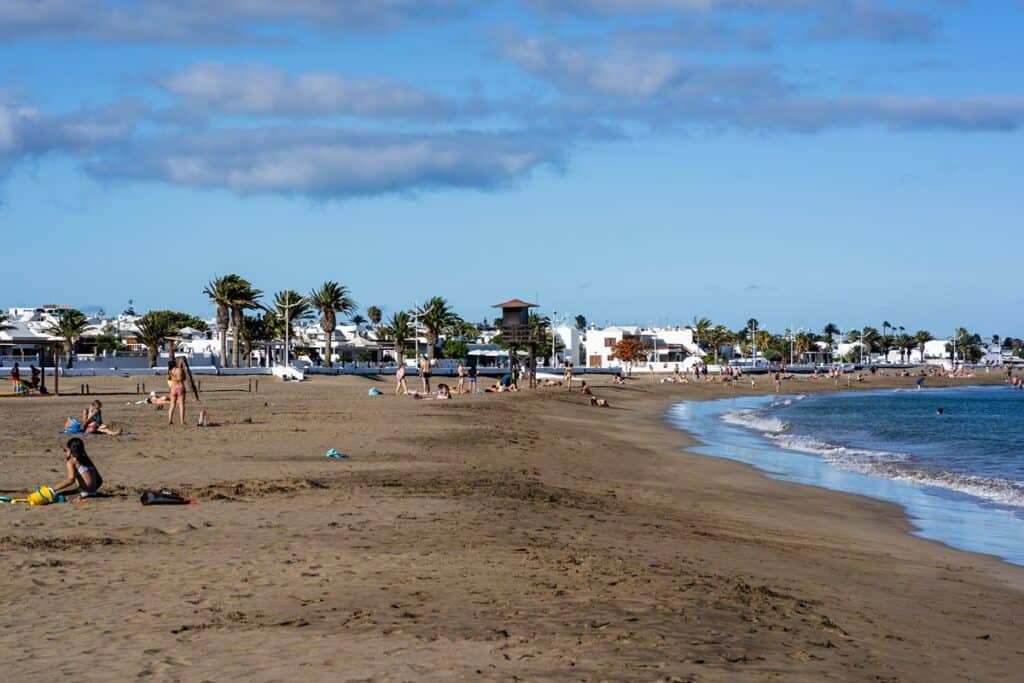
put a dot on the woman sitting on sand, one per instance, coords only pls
(585, 388)
(91, 422)
(81, 471)
(444, 392)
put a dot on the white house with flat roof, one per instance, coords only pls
(666, 347)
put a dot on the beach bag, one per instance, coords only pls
(165, 497)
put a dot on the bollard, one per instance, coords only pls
(143, 387)
(250, 385)
(81, 389)
(87, 389)
(257, 386)
(200, 387)
(136, 387)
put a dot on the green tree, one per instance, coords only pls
(374, 314)
(718, 336)
(258, 330)
(108, 343)
(244, 297)
(398, 329)
(831, 331)
(453, 348)
(581, 323)
(922, 337)
(69, 327)
(289, 306)
(221, 291)
(331, 299)
(156, 327)
(701, 328)
(436, 317)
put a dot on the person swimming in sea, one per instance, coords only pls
(940, 411)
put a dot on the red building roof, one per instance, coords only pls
(515, 303)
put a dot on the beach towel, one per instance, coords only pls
(165, 497)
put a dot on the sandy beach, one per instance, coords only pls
(517, 536)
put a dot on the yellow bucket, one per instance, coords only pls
(43, 495)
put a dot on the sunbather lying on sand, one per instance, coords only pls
(599, 402)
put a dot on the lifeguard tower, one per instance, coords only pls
(517, 331)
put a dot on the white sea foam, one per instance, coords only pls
(755, 419)
(893, 465)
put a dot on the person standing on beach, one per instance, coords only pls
(567, 374)
(400, 386)
(425, 373)
(16, 378)
(778, 381)
(176, 380)
(460, 371)
(651, 369)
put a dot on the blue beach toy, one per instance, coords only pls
(335, 455)
(374, 391)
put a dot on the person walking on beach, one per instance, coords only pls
(567, 375)
(425, 373)
(176, 381)
(778, 381)
(400, 386)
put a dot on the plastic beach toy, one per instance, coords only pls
(335, 455)
(373, 391)
(43, 495)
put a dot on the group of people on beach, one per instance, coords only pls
(22, 386)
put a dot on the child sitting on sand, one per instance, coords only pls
(91, 422)
(81, 471)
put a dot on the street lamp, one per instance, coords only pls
(288, 327)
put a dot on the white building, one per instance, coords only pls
(666, 347)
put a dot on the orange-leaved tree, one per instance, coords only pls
(629, 350)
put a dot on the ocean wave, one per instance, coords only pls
(755, 419)
(899, 467)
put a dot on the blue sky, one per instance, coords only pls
(847, 161)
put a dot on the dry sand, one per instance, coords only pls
(524, 536)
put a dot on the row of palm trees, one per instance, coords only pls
(233, 295)
(714, 337)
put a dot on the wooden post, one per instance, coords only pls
(56, 375)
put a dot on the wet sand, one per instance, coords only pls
(525, 536)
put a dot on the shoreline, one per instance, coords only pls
(490, 536)
(933, 512)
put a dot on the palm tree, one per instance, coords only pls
(358, 320)
(290, 305)
(256, 330)
(331, 299)
(398, 329)
(436, 317)
(69, 327)
(871, 339)
(922, 337)
(581, 322)
(221, 291)
(885, 327)
(830, 331)
(243, 298)
(701, 327)
(717, 336)
(374, 314)
(154, 329)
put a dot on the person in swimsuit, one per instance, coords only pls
(460, 371)
(81, 471)
(16, 379)
(176, 380)
(425, 373)
(472, 378)
(400, 386)
(567, 376)
(91, 422)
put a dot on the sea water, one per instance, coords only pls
(953, 458)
